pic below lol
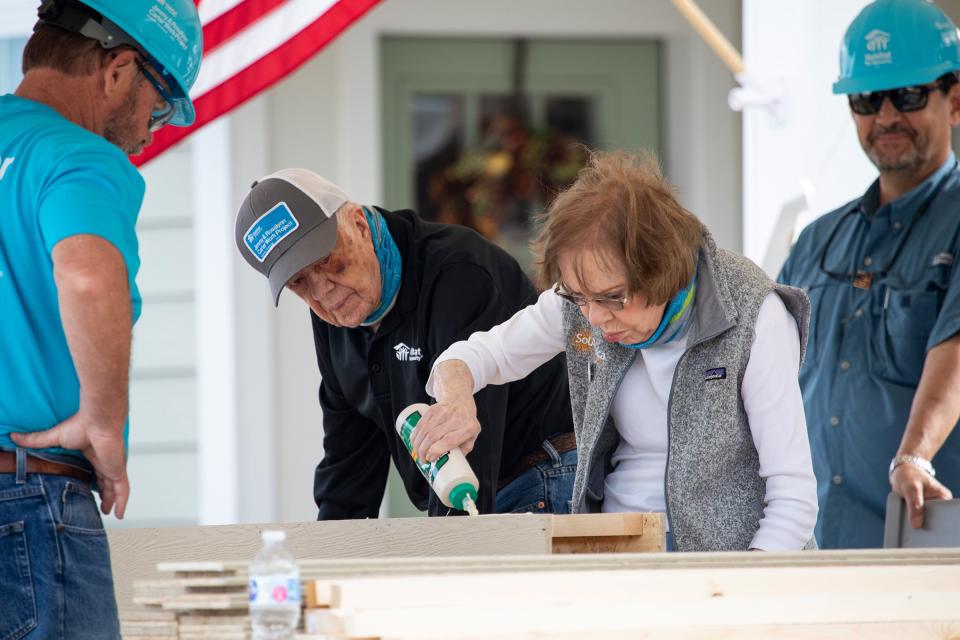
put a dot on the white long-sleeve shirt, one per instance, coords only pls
(771, 397)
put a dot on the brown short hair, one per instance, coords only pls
(622, 209)
(54, 48)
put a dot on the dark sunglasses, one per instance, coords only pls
(161, 117)
(904, 99)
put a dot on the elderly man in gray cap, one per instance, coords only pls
(388, 292)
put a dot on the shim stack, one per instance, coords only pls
(201, 602)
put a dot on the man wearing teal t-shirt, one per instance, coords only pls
(99, 77)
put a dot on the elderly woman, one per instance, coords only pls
(683, 361)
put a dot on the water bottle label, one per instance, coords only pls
(276, 589)
(428, 469)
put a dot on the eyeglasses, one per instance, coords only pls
(608, 302)
(904, 99)
(159, 117)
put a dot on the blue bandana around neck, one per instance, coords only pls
(675, 317)
(391, 266)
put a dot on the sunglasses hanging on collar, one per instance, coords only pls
(863, 279)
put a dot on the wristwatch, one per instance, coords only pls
(920, 463)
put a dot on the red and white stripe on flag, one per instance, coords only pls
(248, 45)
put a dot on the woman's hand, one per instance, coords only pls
(445, 426)
(452, 422)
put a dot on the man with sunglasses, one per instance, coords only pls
(881, 379)
(387, 293)
(100, 76)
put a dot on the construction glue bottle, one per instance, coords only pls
(450, 475)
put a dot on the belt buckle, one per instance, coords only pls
(863, 280)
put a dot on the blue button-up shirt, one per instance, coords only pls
(867, 346)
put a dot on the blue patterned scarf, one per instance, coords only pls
(674, 317)
(391, 265)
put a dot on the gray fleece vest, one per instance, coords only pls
(714, 492)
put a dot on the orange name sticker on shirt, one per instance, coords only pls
(582, 341)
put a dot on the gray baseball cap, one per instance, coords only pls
(288, 222)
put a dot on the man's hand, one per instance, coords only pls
(96, 313)
(102, 447)
(917, 486)
(445, 426)
(933, 414)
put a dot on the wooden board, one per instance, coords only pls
(209, 551)
(319, 575)
(338, 568)
(618, 620)
(713, 602)
(605, 524)
(609, 533)
(135, 553)
(635, 602)
(852, 631)
(533, 588)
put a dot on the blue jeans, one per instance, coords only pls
(546, 487)
(55, 577)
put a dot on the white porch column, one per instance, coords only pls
(796, 44)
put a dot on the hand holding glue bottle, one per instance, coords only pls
(450, 475)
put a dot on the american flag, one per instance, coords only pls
(248, 45)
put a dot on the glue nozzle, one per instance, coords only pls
(469, 506)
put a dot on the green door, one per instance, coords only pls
(460, 117)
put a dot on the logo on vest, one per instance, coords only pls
(407, 354)
(719, 373)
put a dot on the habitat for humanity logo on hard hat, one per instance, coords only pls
(878, 43)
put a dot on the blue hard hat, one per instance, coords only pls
(167, 32)
(897, 43)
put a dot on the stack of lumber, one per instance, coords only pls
(879, 594)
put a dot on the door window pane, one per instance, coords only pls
(523, 156)
(438, 138)
(572, 116)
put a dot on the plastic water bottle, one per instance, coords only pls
(274, 589)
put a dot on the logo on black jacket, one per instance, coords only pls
(407, 354)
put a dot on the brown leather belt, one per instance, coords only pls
(8, 464)
(562, 442)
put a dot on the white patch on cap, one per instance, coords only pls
(328, 196)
